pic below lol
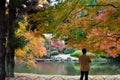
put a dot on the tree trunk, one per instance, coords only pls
(11, 34)
(2, 40)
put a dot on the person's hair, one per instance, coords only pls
(84, 50)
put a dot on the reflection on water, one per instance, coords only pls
(71, 68)
(51, 68)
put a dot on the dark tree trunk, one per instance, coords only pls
(2, 40)
(11, 34)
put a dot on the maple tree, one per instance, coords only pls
(34, 48)
(101, 36)
(93, 24)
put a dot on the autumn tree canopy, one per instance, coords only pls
(93, 24)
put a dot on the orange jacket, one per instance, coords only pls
(84, 61)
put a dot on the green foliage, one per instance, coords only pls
(29, 51)
(47, 43)
(79, 35)
(112, 47)
(77, 53)
(21, 19)
(18, 42)
(92, 3)
(66, 51)
(73, 50)
(82, 14)
(54, 51)
(61, 22)
(40, 20)
(100, 53)
(118, 9)
(47, 20)
(116, 59)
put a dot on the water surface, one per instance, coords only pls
(70, 68)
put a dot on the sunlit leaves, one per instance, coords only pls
(97, 27)
(20, 53)
(29, 46)
(21, 29)
(30, 64)
(70, 22)
(36, 44)
(32, 50)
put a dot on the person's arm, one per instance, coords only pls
(79, 59)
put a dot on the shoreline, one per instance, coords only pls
(63, 77)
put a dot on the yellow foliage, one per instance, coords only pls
(25, 18)
(20, 53)
(35, 44)
(21, 26)
(26, 48)
(39, 54)
(21, 30)
(6, 12)
(29, 56)
(30, 64)
(34, 41)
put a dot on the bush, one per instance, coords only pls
(54, 51)
(77, 53)
(66, 51)
(69, 51)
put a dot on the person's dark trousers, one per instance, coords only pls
(84, 73)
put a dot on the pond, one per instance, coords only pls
(70, 68)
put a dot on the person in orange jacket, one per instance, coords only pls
(84, 61)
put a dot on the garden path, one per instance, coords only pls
(24, 76)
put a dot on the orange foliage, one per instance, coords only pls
(30, 64)
(36, 44)
(19, 53)
(112, 52)
(34, 49)
(99, 37)
(105, 14)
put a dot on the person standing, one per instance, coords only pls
(84, 61)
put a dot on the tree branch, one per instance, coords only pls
(103, 5)
(71, 10)
(117, 36)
